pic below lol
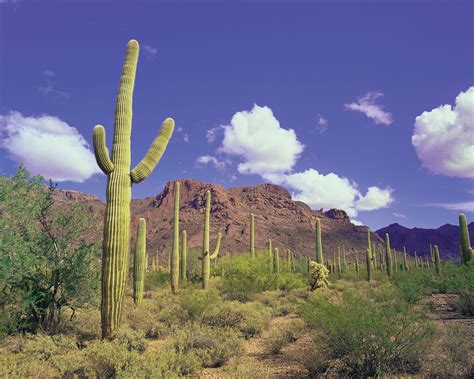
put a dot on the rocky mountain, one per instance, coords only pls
(419, 240)
(288, 223)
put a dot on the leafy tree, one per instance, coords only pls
(46, 263)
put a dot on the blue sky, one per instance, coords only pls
(349, 78)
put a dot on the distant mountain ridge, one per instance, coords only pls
(419, 239)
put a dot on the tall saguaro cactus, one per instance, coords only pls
(276, 261)
(369, 264)
(464, 239)
(206, 255)
(183, 255)
(174, 266)
(118, 192)
(437, 259)
(139, 262)
(319, 244)
(252, 235)
(388, 256)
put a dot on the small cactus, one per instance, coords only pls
(369, 264)
(388, 256)
(174, 267)
(139, 261)
(183, 255)
(276, 261)
(317, 276)
(319, 244)
(437, 259)
(252, 235)
(357, 265)
(464, 239)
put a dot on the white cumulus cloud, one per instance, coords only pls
(366, 104)
(47, 146)
(375, 198)
(209, 159)
(444, 137)
(258, 139)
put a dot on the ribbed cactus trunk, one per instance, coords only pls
(374, 257)
(344, 260)
(288, 259)
(339, 268)
(395, 260)
(437, 259)
(319, 243)
(405, 260)
(206, 258)
(270, 254)
(118, 192)
(357, 265)
(174, 268)
(416, 260)
(369, 264)
(183, 255)
(252, 235)
(276, 261)
(388, 256)
(139, 261)
(369, 244)
(464, 239)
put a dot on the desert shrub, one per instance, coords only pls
(212, 346)
(465, 301)
(245, 277)
(373, 335)
(46, 264)
(156, 280)
(287, 281)
(133, 340)
(248, 318)
(283, 336)
(195, 303)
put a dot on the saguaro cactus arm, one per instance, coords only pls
(218, 245)
(100, 150)
(154, 153)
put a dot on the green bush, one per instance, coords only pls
(283, 336)
(195, 303)
(372, 334)
(212, 346)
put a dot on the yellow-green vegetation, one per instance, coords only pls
(254, 315)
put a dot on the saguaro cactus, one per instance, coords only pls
(252, 235)
(388, 256)
(183, 256)
(118, 192)
(437, 259)
(374, 257)
(464, 239)
(344, 260)
(276, 261)
(357, 265)
(139, 261)
(319, 244)
(369, 264)
(174, 267)
(405, 261)
(206, 255)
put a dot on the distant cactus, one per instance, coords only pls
(183, 256)
(405, 260)
(174, 267)
(339, 268)
(206, 255)
(416, 260)
(437, 259)
(388, 256)
(317, 276)
(374, 257)
(288, 259)
(369, 264)
(276, 261)
(319, 244)
(329, 266)
(252, 235)
(344, 260)
(357, 265)
(395, 260)
(139, 259)
(464, 239)
(118, 192)
(270, 254)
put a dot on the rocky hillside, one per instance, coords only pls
(419, 240)
(290, 224)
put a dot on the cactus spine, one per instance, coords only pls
(276, 261)
(174, 268)
(139, 262)
(319, 244)
(437, 259)
(118, 192)
(369, 264)
(388, 256)
(464, 239)
(183, 256)
(252, 235)
(206, 255)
